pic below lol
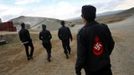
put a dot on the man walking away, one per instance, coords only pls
(65, 36)
(94, 45)
(46, 36)
(27, 41)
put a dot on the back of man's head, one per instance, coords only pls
(63, 23)
(22, 25)
(43, 26)
(88, 12)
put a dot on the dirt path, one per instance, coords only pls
(13, 59)
(123, 54)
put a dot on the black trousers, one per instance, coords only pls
(29, 54)
(47, 46)
(104, 71)
(66, 46)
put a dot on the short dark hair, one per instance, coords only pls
(43, 26)
(88, 12)
(62, 22)
(23, 25)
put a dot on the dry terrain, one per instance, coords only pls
(13, 59)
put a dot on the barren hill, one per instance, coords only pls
(36, 22)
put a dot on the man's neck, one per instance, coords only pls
(88, 22)
(22, 28)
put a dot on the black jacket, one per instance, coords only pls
(45, 36)
(24, 35)
(64, 33)
(85, 37)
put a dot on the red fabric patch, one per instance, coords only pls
(98, 47)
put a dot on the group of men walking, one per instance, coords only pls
(94, 43)
(64, 35)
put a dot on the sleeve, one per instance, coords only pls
(59, 34)
(50, 36)
(70, 34)
(81, 53)
(28, 34)
(110, 40)
(20, 37)
(40, 37)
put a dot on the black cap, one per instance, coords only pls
(88, 12)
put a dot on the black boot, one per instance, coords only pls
(49, 60)
(67, 56)
(49, 57)
(31, 57)
(28, 58)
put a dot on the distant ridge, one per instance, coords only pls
(36, 22)
(109, 17)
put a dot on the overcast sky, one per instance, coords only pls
(60, 9)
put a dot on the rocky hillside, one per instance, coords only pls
(35, 23)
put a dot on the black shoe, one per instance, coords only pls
(28, 58)
(31, 58)
(49, 60)
(67, 56)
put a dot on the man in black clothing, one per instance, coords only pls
(46, 36)
(27, 41)
(94, 45)
(65, 36)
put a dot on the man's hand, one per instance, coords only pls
(78, 70)
(25, 42)
(71, 39)
(78, 73)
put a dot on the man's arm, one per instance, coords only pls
(70, 34)
(59, 34)
(20, 37)
(81, 53)
(28, 35)
(110, 40)
(50, 36)
(40, 36)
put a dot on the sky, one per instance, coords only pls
(59, 9)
